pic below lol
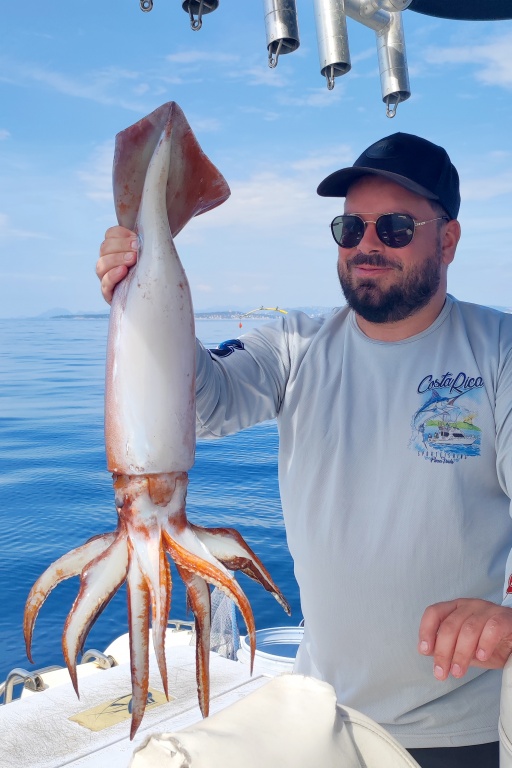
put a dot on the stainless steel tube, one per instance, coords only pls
(388, 28)
(331, 30)
(394, 75)
(196, 9)
(365, 13)
(374, 13)
(386, 5)
(281, 27)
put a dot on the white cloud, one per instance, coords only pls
(492, 59)
(274, 206)
(32, 277)
(369, 53)
(265, 114)
(206, 125)
(486, 188)
(97, 174)
(238, 289)
(92, 85)
(484, 224)
(169, 80)
(499, 154)
(318, 97)
(193, 56)
(318, 161)
(107, 86)
(260, 75)
(6, 231)
(4, 134)
(141, 89)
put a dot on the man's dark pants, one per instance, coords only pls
(477, 756)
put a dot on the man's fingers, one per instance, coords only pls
(119, 247)
(432, 618)
(449, 632)
(467, 640)
(478, 639)
(495, 630)
(110, 280)
(118, 252)
(119, 244)
(463, 633)
(446, 641)
(119, 232)
(111, 261)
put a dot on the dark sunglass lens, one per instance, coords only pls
(396, 230)
(347, 230)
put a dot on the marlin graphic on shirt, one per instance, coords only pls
(436, 406)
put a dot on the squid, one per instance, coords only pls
(161, 179)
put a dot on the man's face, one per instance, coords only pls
(384, 284)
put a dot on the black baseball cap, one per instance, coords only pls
(408, 160)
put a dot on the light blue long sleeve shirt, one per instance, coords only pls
(395, 471)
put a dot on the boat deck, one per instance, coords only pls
(37, 731)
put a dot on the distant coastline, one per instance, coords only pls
(214, 314)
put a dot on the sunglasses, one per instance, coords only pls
(396, 230)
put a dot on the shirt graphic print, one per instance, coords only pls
(445, 426)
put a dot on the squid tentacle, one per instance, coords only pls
(98, 584)
(153, 563)
(67, 566)
(159, 624)
(228, 546)
(194, 557)
(138, 620)
(198, 594)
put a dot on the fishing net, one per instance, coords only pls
(225, 638)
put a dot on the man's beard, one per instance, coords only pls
(387, 305)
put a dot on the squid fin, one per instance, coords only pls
(194, 184)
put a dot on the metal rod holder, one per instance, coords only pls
(394, 75)
(282, 29)
(331, 30)
(196, 9)
(385, 18)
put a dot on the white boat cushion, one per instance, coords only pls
(293, 721)
(505, 724)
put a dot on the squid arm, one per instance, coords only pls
(198, 594)
(98, 584)
(67, 566)
(228, 546)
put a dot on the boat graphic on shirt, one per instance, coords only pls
(444, 427)
(450, 436)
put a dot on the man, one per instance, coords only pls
(395, 463)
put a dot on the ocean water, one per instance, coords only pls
(55, 490)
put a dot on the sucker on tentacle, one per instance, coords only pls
(161, 180)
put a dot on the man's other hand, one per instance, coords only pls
(465, 633)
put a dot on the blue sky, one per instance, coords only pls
(74, 74)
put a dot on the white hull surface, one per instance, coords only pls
(37, 731)
(293, 719)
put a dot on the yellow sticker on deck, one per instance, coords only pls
(113, 712)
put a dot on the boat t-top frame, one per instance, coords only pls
(384, 17)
